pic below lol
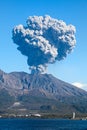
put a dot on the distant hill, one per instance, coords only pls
(42, 93)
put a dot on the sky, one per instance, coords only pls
(73, 69)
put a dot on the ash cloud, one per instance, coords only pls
(44, 40)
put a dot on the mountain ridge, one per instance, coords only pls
(41, 92)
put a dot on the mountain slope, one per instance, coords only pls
(41, 92)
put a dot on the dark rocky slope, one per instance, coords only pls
(43, 93)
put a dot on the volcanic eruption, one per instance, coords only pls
(44, 40)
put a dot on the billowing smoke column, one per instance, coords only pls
(44, 40)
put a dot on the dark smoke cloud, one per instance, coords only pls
(44, 40)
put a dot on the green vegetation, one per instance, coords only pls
(6, 99)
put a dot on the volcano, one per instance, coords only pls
(43, 93)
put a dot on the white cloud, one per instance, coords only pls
(80, 85)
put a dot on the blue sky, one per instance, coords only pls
(74, 67)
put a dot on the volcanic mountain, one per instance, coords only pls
(43, 93)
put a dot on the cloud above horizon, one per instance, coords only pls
(44, 40)
(80, 85)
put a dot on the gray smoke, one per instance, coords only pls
(44, 40)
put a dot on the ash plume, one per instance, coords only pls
(44, 40)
